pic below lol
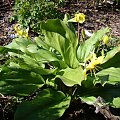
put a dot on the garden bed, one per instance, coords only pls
(78, 110)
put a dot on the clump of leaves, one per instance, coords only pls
(59, 61)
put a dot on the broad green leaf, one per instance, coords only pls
(19, 44)
(31, 51)
(31, 66)
(89, 100)
(69, 24)
(4, 50)
(111, 53)
(110, 76)
(35, 66)
(109, 93)
(21, 76)
(19, 90)
(41, 43)
(19, 81)
(48, 105)
(62, 39)
(116, 102)
(88, 83)
(85, 48)
(70, 76)
(40, 56)
(112, 59)
(28, 62)
(43, 71)
(32, 48)
(44, 56)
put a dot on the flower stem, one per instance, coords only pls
(78, 31)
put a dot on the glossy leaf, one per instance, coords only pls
(35, 66)
(89, 100)
(32, 52)
(45, 56)
(109, 93)
(48, 105)
(116, 102)
(70, 76)
(69, 24)
(20, 44)
(32, 48)
(4, 50)
(41, 43)
(110, 75)
(85, 48)
(112, 53)
(112, 59)
(19, 82)
(62, 39)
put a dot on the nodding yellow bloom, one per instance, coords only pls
(105, 39)
(79, 17)
(20, 31)
(93, 62)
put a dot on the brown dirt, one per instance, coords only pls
(5, 26)
(96, 17)
(81, 111)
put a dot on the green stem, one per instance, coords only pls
(78, 31)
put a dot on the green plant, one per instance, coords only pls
(56, 65)
(31, 12)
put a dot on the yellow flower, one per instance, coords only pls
(93, 62)
(79, 17)
(105, 39)
(20, 31)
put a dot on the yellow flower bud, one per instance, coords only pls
(105, 39)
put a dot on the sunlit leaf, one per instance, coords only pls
(109, 93)
(112, 58)
(62, 39)
(110, 75)
(71, 77)
(89, 45)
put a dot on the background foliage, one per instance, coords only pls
(31, 12)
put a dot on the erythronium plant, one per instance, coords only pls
(62, 69)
